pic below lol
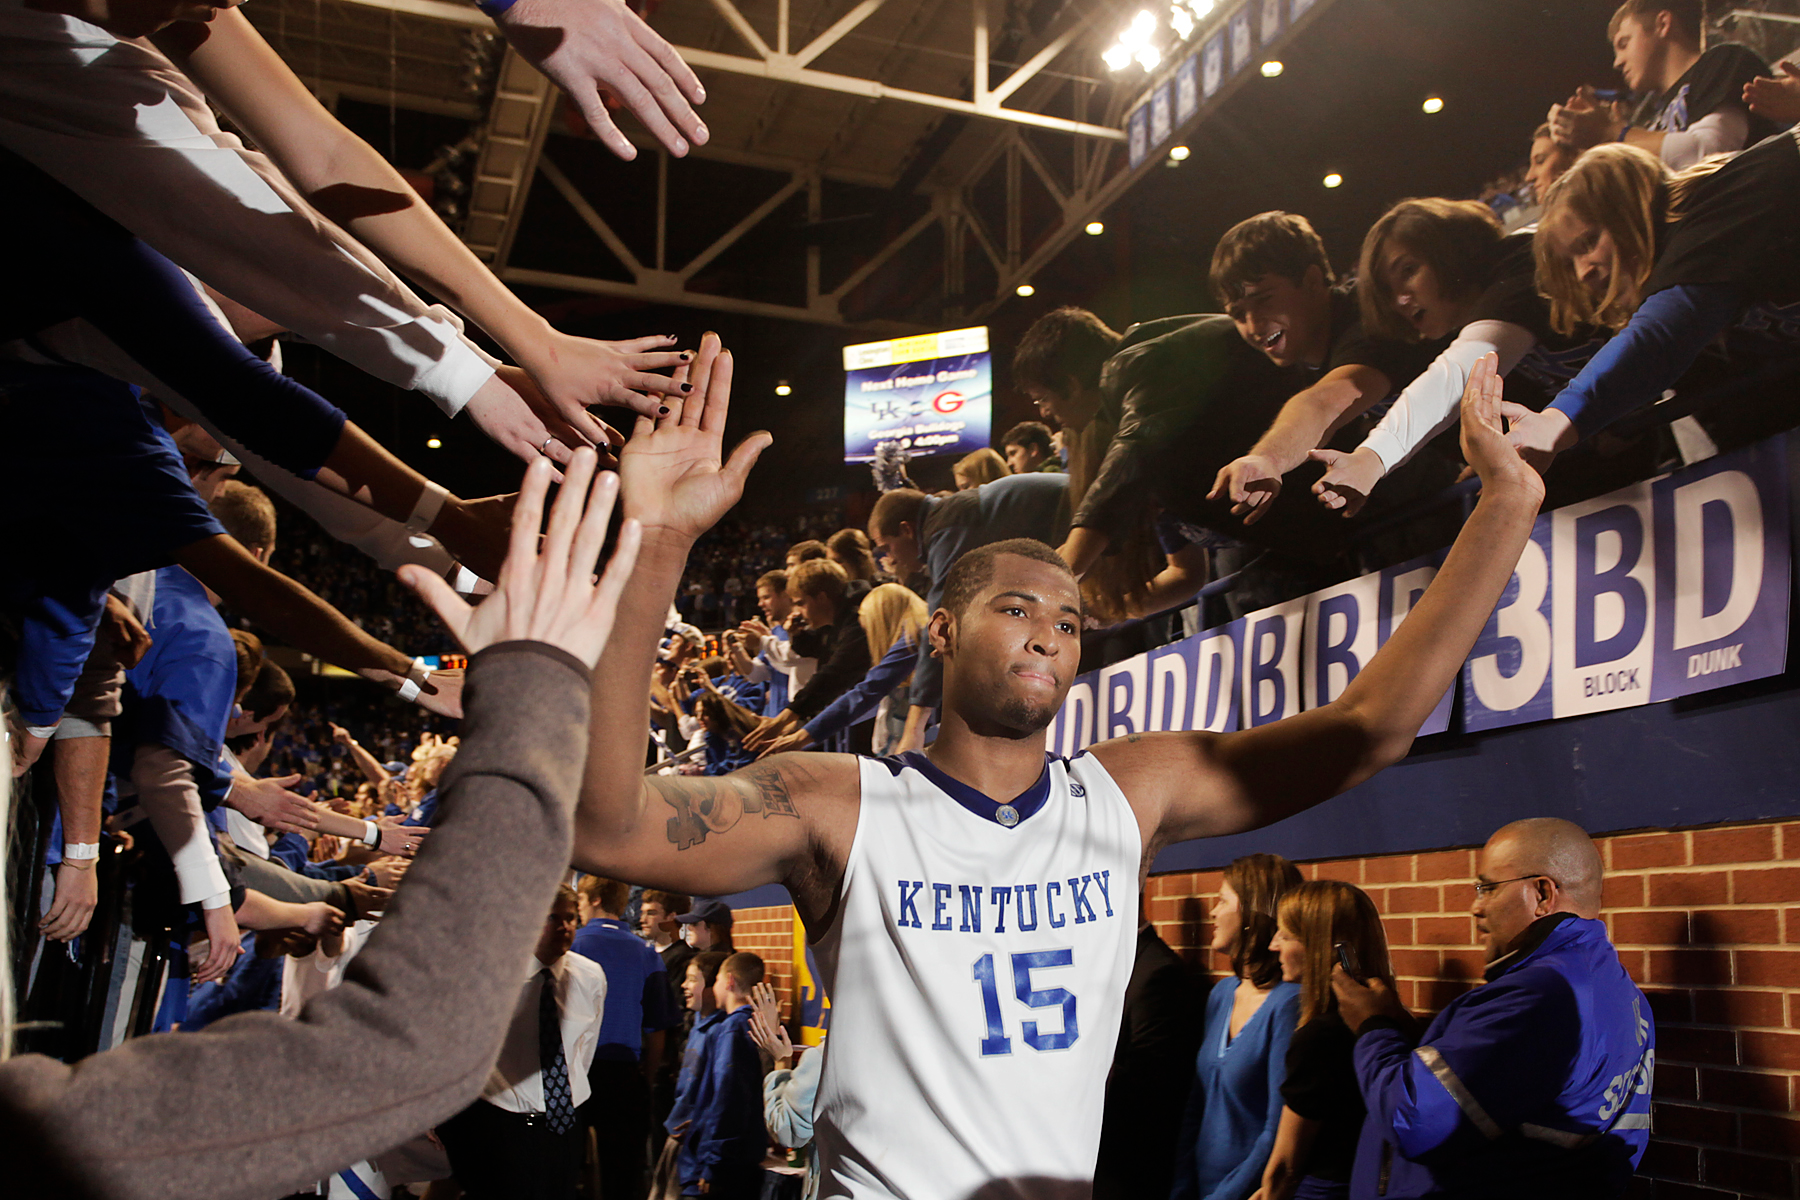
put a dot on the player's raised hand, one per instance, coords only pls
(1484, 440)
(674, 482)
(547, 594)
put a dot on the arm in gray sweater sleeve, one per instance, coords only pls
(261, 1106)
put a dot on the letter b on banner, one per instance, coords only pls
(1604, 585)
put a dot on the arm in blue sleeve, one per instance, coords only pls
(1644, 359)
(1247, 1177)
(56, 636)
(861, 701)
(1505, 1053)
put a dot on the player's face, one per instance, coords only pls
(559, 931)
(775, 605)
(1292, 953)
(1589, 248)
(1290, 322)
(1227, 918)
(1418, 294)
(898, 551)
(1636, 49)
(1015, 648)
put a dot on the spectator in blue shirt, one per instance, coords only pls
(1234, 1109)
(722, 1152)
(639, 1009)
(701, 973)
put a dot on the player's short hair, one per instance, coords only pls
(745, 969)
(1456, 238)
(807, 551)
(900, 506)
(1033, 435)
(1063, 344)
(247, 514)
(818, 577)
(272, 689)
(1271, 243)
(564, 895)
(1689, 17)
(607, 895)
(775, 581)
(975, 570)
(673, 903)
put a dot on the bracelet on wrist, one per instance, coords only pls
(371, 835)
(81, 852)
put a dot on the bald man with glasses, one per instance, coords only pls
(1535, 1083)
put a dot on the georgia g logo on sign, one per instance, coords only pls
(947, 402)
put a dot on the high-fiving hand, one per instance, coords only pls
(674, 482)
(1485, 445)
(550, 594)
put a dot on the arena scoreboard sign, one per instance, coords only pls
(1664, 589)
(932, 393)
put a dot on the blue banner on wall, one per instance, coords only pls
(1659, 590)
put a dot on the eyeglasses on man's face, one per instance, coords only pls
(1484, 888)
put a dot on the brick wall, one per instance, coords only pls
(769, 932)
(1707, 921)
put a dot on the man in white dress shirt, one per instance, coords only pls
(522, 1139)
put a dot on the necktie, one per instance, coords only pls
(559, 1105)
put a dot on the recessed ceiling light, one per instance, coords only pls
(782, 389)
(1025, 289)
(1433, 104)
(433, 443)
(1272, 68)
(1096, 228)
(1334, 180)
(1179, 153)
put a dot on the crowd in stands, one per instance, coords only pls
(1307, 429)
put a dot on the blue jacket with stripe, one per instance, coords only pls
(1535, 1084)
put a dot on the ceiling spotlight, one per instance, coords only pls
(1334, 180)
(1095, 228)
(1025, 289)
(1179, 153)
(1271, 69)
(1433, 104)
(432, 443)
(782, 389)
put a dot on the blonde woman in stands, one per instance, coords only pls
(1321, 924)
(893, 617)
(983, 466)
(1669, 262)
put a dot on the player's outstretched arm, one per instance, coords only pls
(699, 835)
(1190, 785)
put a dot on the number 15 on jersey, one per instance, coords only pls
(996, 1041)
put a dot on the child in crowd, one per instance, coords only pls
(722, 1152)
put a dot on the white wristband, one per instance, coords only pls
(80, 851)
(430, 502)
(416, 675)
(371, 835)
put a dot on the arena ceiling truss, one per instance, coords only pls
(901, 163)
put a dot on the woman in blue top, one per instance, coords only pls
(1235, 1106)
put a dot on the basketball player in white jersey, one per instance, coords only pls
(975, 907)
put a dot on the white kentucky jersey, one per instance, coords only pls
(977, 972)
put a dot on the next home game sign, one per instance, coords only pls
(933, 394)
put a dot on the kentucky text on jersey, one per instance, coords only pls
(959, 907)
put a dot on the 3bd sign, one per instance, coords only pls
(1662, 589)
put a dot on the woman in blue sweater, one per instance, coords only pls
(1235, 1106)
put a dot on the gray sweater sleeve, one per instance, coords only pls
(256, 1105)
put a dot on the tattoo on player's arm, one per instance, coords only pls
(704, 806)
